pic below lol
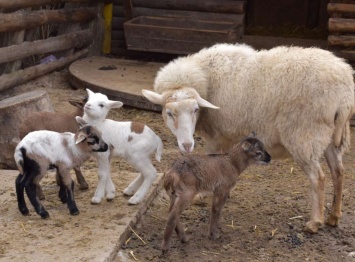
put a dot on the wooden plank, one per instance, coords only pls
(343, 40)
(212, 6)
(342, 25)
(29, 19)
(142, 11)
(118, 11)
(118, 43)
(22, 76)
(52, 44)
(340, 8)
(12, 4)
(117, 23)
(118, 35)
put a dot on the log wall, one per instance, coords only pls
(33, 30)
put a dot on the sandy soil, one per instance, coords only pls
(262, 220)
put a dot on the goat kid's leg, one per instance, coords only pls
(134, 185)
(31, 190)
(20, 187)
(334, 160)
(67, 185)
(219, 199)
(83, 185)
(103, 173)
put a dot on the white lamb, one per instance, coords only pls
(40, 150)
(134, 142)
(298, 100)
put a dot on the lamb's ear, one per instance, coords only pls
(81, 137)
(204, 103)
(80, 121)
(153, 97)
(114, 104)
(246, 146)
(89, 92)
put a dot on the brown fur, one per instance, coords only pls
(218, 173)
(137, 127)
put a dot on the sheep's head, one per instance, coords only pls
(180, 113)
(98, 105)
(90, 135)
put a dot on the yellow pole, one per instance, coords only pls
(106, 47)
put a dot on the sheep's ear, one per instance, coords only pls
(114, 104)
(81, 138)
(80, 121)
(89, 92)
(246, 146)
(204, 103)
(77, 104)
(153, 97)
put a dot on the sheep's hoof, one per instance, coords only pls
(74, 212)
(96, 200)
(313, 226)
(24, 211)
(44, 214)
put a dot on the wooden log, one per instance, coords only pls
(13, 111)
(52, 44)
(118, 35)
(341, 8)
(8, 4)
(118, 11)
(212, 6)
(342, 25)
(142, 11)
(24, 19)
(22, 76)
(342, 40)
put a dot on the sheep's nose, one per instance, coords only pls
(187, 147)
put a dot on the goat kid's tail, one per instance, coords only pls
(159, 150)
(20, 154)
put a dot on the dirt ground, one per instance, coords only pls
(262, 220)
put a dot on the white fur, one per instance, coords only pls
(135, 148)
(298, 100)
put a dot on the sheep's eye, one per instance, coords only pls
(196, 110)
(101, 105)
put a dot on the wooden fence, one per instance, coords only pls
(32, 30)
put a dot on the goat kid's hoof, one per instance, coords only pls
(44, 215)
(214, 236)
(96, 200)
(128, 192)
(83, 186)
(74, 212)
(312, 227)
(24, 211)
(110, 196)
(134, 201)
(332, 221)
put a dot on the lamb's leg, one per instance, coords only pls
(334, 160)
(83, 185)
(182, 201)
(219, 199)
(20, 187)
(134, 185)
(31, 190)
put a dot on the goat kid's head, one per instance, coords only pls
(79, 103)
(98, 105)
(255, 150)
(90, 135)
(180, 112)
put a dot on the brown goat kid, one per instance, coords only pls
(217, 173)
(58, 122)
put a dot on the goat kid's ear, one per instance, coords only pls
(77, 104)
(114, 104)
(80, 121)
(89, 92)
(153, 97)
(81, 138)
(246, 146)
(252, 134)
(204, 103)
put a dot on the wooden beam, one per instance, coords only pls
(343, 40)
(341, 8)
(7, 4)
(341, 25)
(128, 9)
(52, 44)
(213, 6)
(29, 19)
(22, 76)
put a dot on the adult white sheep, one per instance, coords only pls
(133, 141)
(298, 100)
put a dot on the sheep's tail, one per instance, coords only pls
(159, 150)
(20, 155)
(341, 135)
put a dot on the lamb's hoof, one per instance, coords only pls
(24, 211)
(74, 212)
(313, 226)
(128, 192)
(96, 200)
(332, 221)
(44, 214)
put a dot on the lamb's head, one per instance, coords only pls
(97, 106)
(90, 135)
(254, 149)
(180, 112)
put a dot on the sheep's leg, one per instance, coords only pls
(218, 203)
(134, 185)
(83, 185)
(149, 174)
(31, 188)
(173, 223)
(20, 187)
(105, 182)
(334, 160)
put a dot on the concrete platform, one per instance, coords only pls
(96, 234)
(119, 79)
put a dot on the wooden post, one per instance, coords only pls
(106, 47)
